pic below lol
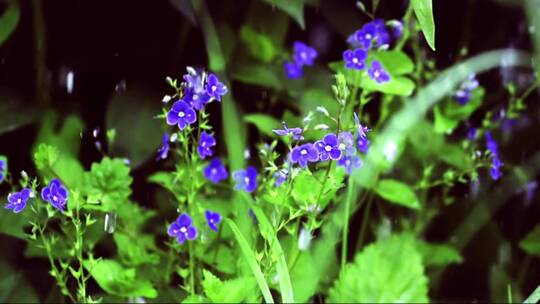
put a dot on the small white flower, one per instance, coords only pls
(166, 99)
(390, 150)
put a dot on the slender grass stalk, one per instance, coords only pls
(534, 297)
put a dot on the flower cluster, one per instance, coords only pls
(303, 55)
(55, 193)
(163, 151)
(372, 34)
(17, 200)
(199, 90)
(495, 169)
(463, 94)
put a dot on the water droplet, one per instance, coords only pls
(70, 80)
(121, 86)
(110, 222)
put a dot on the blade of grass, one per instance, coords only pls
(269, 234)
(249, 256)
(534, 297)
(532, 7)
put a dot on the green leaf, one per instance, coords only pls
(265, 123)
(257, 74)
(531, 243)
(258, 45)
(131, 114)
(397, 192)
(251, 260)
(306, 188)
(45, 156)
(388, 271)
(295, 9)
(424, 13)
(534, 297)
(9, 20)
(134, 252)
(269, 234)
(304, 277)
(117, 280)
(438, 254)
(14, 287)
(451, 113)
(230, 291)
(395, 62)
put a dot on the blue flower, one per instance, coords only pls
(215, 171)
(373, 31)
(350, 162)
(2, 170)
(214, 88)
(378, 73)
(56, 194)
(328, 147)
(246, 179)
(194, 80)
(280, 177)
(181, 114)
(464, 93)
(355, 59)
(213, 219)
(183, 229)
(362, 141)
(495, 170)
(346, 142)
(292, 70)
(17, 201)
(296, 133)
(471, 134)
(304, 54)
(304, 154)
(397, 28)
(163, 151)
(197, 100)
(206, 142)
(491, 144)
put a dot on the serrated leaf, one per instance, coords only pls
(424, 13)
(230, 291)
(397, 192)
(388, 271)
(531, 243)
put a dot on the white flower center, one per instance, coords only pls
(368, 36)
(183, 229)
(181, 114)
(19, 201)
(213, 171)
(355, 60)
(303, 152)
(328, 148)
(376, 74)
(246, 180)
(195, 97)
(213, 88)
(55, 198)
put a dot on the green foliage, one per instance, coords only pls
(438, 254)
(9, 20)
(388, 271)
(45, 156)
(451, 113)
(135, 251)
(424, 13)
(531, 243)
(295, 9)
(258, 45)
(265, 123)
(118, 280)
(308, 190)
(107, 185)
(264, 75)
(14, 286)
(238, 290)
(397, 192)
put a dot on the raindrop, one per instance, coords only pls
(110, 222)
(70, 80)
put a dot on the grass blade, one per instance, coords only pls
(534, 297)
(249, 255)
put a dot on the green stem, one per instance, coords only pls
(365, 220)
(345, 232)
(191, 269)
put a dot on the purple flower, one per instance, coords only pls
(197, 100)
(2, 170)
(397, 28)
(213, 219)
(17, 201)
(183, 229)
(373, 31)
(495, 170)
(304, 154)
(215, 171)
(355, 59)
(472, 133)
(350, 162)
(214, 88)
(246, 179)
(194, 80)
(163, 151)
(56, 194)
(181, 114)
(280, 177)
(346, 141)
(292, 70)
(362, 141)
(304, 54)
(206, 142)
(377, 72)
(328, 147)
(464, 93)
(295, 132)
(491, 144)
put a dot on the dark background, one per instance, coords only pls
(115, 45)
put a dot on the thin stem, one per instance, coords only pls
(365, 221)
(191, 270)
(344, 237)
